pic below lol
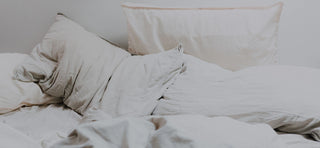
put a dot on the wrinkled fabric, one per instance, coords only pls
(11, 138)
(14, 93)
(139, 81)
(44, 125)
(188, 131)
(72, 63)
(89, 72)
(285, 97)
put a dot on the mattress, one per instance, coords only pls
(42, 125)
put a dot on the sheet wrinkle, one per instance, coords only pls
(44, 124)
(276, 95)
(173, 131)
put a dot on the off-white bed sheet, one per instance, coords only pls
(37, 125)
(298, 141)
(42, 126)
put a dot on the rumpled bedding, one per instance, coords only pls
(11, 138)
(40, 125)
(285, 97)
(71, 63)
(78, 66)
(93, 75)
(139, 81)
(298, 141)
(184, 131)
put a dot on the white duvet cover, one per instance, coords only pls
(185, 131)
(37, 126)
(14, 93)
(34, 127)
(298, 141)
(11, 138)
(285, 97)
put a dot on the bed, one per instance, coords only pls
(41, 125)
(21, 128)
(183, 82)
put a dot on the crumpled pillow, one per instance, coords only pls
(72, 63)
(14, 93)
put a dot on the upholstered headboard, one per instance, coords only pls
(23, 24)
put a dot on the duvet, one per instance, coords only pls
(10, 136)
(184, 131)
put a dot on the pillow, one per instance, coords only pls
(72, 63)
(285, 97)
(13, 93)
(139, 81)
(232, 37)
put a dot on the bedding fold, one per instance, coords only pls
(71, 63)
(285, 97)
(185, 131)
(87, 71)
(139, 81)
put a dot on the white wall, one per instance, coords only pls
(300, 33)
(24, 22)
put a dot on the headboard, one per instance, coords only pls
(24, 22)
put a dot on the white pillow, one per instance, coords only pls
(139, 81)
(232, 37)
(285, 97)
(72, 63)
(14, 93)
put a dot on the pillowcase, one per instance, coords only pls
(72, 63)
(139, 81)
(285, 97)
(14, 93)
(232, 37)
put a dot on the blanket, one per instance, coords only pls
(183, 131)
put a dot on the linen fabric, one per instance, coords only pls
(15, 94)
(232, 37)
(285, 97)
(72, 63)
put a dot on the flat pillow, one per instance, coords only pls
(72, 63)
(232, 37)
(14, 93)
(285, 97)
(139, 81)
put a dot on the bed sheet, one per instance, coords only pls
(41, 124)
(298, 141)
